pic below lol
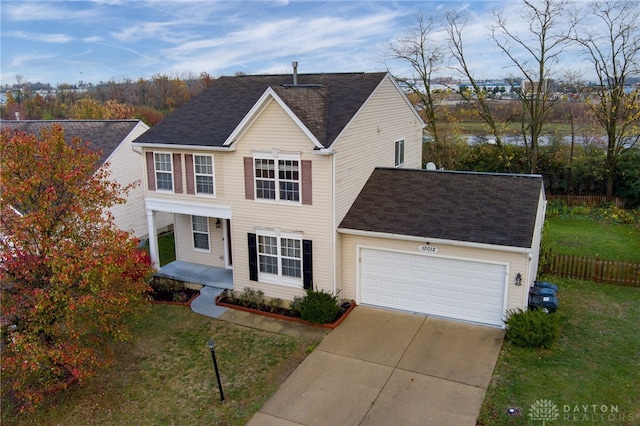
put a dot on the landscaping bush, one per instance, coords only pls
(319, 307)
(532, 328)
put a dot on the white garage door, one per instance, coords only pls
(460, 289)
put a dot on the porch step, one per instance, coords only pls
(205, 304)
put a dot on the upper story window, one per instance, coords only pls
(278, 176)
(277, 179)
(164, 171)
(399, 152)
(203, 168)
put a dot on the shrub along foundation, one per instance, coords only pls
(264, 308)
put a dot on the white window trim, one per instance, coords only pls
(276, 156)
(396, 144)
(208, 233)
(155, 170)
(279, 278)
(195, 177)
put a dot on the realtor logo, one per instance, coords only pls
(544, 410)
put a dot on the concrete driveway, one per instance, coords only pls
(383, 367)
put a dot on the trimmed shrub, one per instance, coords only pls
(532, 328)
(319, 307)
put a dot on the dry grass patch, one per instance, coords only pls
(165, 375)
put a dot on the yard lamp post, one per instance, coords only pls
(212, 346)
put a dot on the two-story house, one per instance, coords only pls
(112, 138)
(260, 172)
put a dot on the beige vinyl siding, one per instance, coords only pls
(369, 142)
(184, 244)
(516, 262)
(127, 167)
(274, 129)
(271, 130)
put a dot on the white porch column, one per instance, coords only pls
(153, 239)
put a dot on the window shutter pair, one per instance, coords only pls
(177, 172)
(306, 186)
(307, 261)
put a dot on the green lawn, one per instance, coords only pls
(165, 375)
(166, 248)
(586, 237)
(596, 361)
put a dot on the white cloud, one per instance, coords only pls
(28, 11)
(43, 38)
(28, 59)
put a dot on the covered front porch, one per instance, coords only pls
(193, 273)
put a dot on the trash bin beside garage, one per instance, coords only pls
(544, 295)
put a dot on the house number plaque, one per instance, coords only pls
(425, 248)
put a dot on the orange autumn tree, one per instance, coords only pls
(69, 279)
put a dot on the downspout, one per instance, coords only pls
(334, 227)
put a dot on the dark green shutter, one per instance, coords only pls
(253, 257)
(307, 265)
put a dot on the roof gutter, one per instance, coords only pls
(323, 151)
(373, 234)
(189, 147)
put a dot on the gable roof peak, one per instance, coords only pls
(323, 102)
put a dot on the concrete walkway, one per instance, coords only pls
(384, 367)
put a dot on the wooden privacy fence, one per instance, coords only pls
(586, 200)
(594, 269)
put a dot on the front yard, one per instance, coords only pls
(165, 375)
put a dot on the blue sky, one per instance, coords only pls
(64, 41)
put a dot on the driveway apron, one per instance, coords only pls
(382, 367)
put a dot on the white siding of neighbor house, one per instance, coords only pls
(369, 142)
(515, 261)
(127, 167)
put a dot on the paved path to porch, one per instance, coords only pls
(214, 281)
(389, 368)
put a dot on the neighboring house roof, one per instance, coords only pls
(324, 103)
(485, 208)
(104, 135)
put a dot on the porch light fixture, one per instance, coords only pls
(218, 223)
(212, 346)
(518, 279)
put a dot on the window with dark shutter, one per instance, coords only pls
(253, 257)
(307, 265)
(188, 164)
(248, 178)
(151, 172)
(306, 182)
(177, 173)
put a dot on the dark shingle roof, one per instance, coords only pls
(323, 102)
(104, 135)
(487, 208)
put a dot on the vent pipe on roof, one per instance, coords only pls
(295, 72)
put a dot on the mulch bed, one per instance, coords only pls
(180, 297)
(283, 313)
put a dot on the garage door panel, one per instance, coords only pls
(460, 289)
